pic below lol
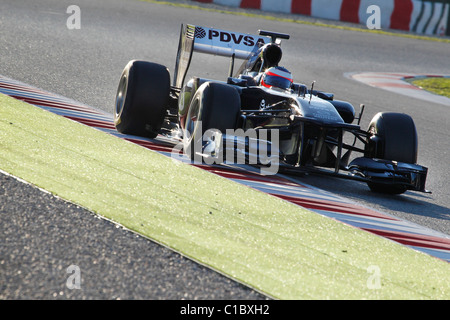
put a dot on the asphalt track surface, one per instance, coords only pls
(47, 233)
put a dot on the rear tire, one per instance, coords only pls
(393, 137)
(217, 106)
(142, 98)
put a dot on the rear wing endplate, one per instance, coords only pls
(212, 41)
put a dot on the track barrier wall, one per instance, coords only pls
(430, 17)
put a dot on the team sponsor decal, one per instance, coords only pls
(226, 43)
(228, 37)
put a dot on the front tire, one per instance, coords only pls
(142, 98)
(214, 106)
(393, 137)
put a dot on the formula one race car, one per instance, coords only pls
(260, 108)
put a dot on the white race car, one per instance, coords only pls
(261, 97)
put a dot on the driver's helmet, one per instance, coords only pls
(278, 77)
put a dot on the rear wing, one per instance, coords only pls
(212, 41)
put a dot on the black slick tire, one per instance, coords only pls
(393, 137)
(142, 98)
(214, 106)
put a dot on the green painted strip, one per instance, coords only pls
(269, 244)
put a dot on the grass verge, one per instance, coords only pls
(440, 86)
(269, 244)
